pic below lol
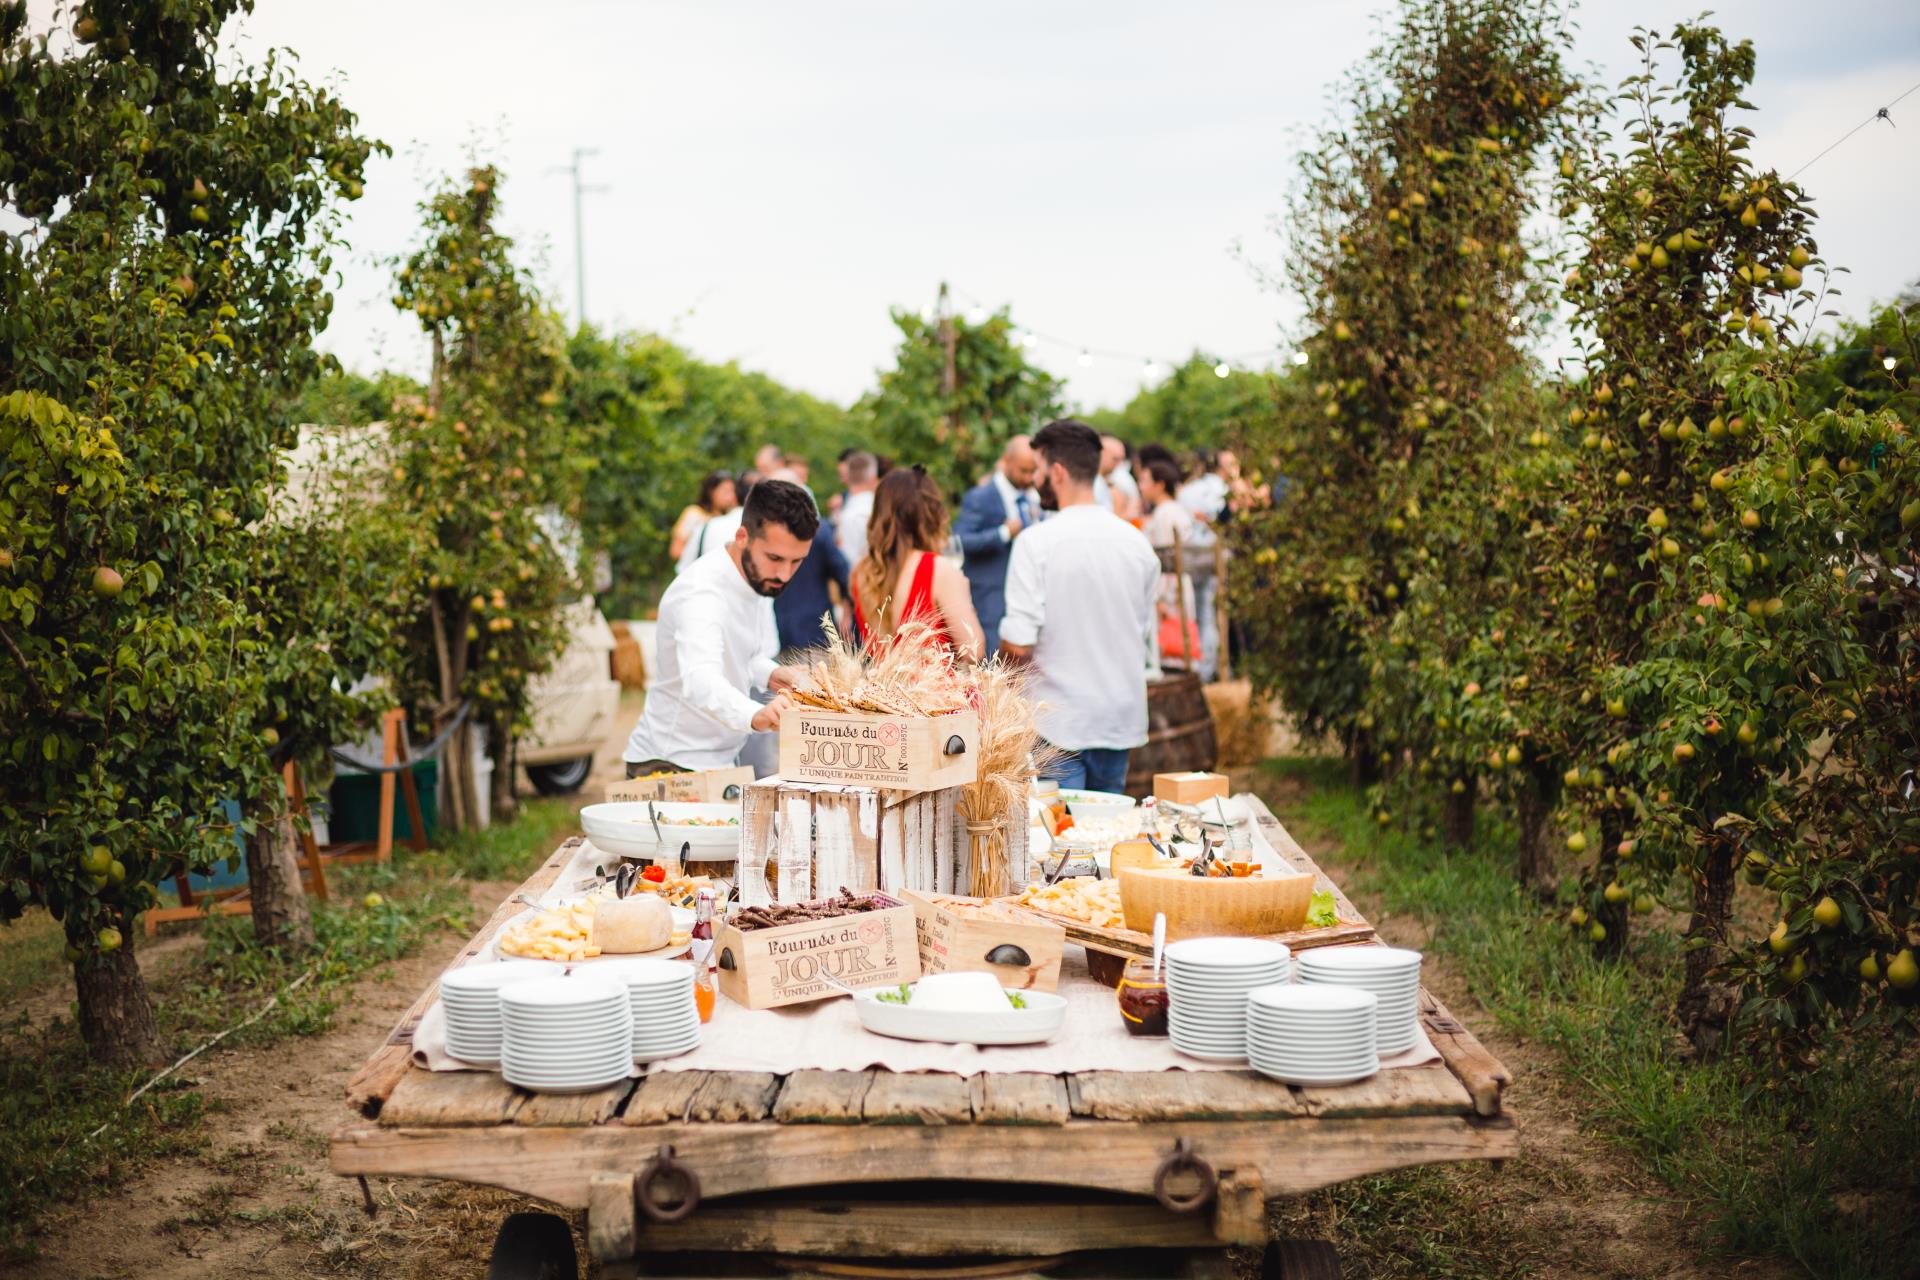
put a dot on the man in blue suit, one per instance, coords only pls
(992, 514)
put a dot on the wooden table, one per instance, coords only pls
(906, 1169)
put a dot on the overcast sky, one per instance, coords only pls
(779, 174)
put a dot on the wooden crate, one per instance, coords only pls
(770, 968)
(702, 786)
(958, 941)
(899, 753)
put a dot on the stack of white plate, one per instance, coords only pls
(1391, 973)
(1312, 1035)
(470, 997)
(666, 1022)
(1207, 984)
(571, 1034)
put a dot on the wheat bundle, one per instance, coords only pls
(913, 676)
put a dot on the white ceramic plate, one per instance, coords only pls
(1361, 959)
(1303, 1078)
(1039, 1021)
(1211, 1055)
(672, 949)
(1228, 953)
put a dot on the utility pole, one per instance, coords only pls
(579, 237)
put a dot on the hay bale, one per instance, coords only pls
(629, 667)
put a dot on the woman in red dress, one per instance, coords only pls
(902, 579)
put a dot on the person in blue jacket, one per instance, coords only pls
(992, 515)
(798, 609)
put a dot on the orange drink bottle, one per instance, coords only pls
(703, 958)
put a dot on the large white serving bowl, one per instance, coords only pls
(1095, 806)
(626, 828)
(1039, 1021)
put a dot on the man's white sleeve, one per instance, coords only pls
(767, 652)
(1026, 595)
(699, 639)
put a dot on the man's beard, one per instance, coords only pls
(1049, 500)
(759, 584)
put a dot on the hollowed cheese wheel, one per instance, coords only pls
(623, 926)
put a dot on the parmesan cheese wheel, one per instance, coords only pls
(1197, 906)
(623, 926)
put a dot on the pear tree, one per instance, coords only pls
(178, 222)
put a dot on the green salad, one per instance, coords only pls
(1321, 915)
(903, 994)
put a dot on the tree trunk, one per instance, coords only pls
(1537, 796)
(281, 917)
(500, 744)
(116, 1017)
(1456, 816)
(1705, 1006)
(1613, 826)
(1363, 759)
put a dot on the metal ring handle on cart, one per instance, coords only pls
(663, 1165)
(1184, 1161)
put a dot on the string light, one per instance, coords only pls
(1086, 359)
(1148, 368)
(977, 316)
(1222, 369)
(1299, 357)
(1151, 366)
(1888, 364)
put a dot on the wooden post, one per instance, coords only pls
(1180, 600)
(1223, 667)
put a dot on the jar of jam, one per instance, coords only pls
(1143, 1000)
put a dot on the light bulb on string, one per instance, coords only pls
(1222, 369)
(977, 316)
(1889, 363)
(1300, 357)
(1148, 368)
(1086, 359)
(926, 314)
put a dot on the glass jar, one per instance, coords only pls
(1143, 999)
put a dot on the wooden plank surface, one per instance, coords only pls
(1484, 1076)
(734, 1159)
(733, 1097)
(1427, 1090)
(1129, 942)
(382, 1072)
(823, 1097)
(1022, 1097)
(431, 1099)
(929, 1229)
(663, 1096)
(565, 1110)
(1181, 1095)
(917, 1097)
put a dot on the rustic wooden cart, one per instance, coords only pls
(873, 1173)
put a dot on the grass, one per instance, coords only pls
(51, 1102)
(1821, 1170)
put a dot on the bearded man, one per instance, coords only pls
(717, 640)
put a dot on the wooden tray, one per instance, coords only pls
(1129, 942)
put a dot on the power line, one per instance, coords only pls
(1884, 113)
(579, 238)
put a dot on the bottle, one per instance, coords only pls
(702, 955)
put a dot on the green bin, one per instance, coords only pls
(355, 800)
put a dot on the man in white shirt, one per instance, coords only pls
(1080, 609)
(856, 509)
(1206, 494)
(717, 641)
(1116, 469)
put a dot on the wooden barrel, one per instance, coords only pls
(1179, 732)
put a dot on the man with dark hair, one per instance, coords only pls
(1080, 609)
(718, 641)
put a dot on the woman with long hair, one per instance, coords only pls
(902, 578)
(716, 499)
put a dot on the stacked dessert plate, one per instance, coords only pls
(1390, 973)
(572, 1034)
(1312, 1035)
(666, 1022)
(470, 997)
(1208, 980)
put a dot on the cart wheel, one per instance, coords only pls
(534, 1246)
(1300, 1260)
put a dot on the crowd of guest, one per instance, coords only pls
(1078, 557)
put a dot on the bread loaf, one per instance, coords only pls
(623, 926)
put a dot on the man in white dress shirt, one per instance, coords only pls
(717, 641)
(1081, 590)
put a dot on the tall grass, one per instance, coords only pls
(1821, 1168)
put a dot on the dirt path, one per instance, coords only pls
(1568, 1207)
(258, 1200)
